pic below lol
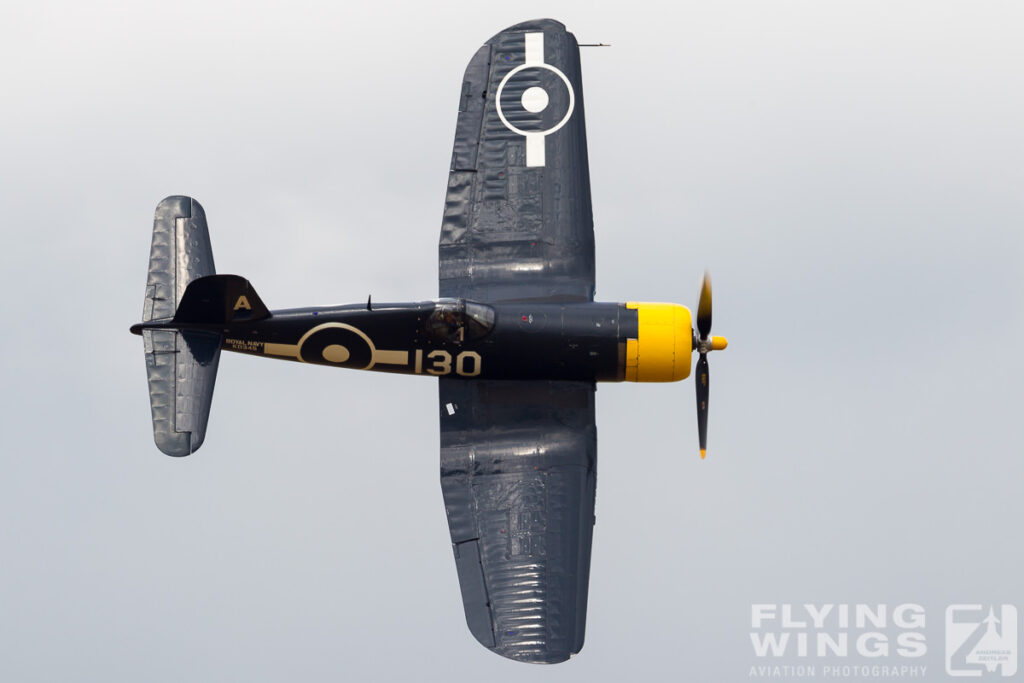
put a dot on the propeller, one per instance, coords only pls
(704, 343)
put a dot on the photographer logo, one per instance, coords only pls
(981, 640)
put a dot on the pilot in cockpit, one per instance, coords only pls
(450, 319)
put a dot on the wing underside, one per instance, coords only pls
(518, 473)
(519, 458)
(518, 222)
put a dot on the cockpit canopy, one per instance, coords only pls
(458, 320)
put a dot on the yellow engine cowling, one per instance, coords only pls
(662, 351)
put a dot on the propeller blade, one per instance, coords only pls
(704, 307)
(701, 381)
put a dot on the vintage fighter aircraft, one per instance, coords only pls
(516, 340)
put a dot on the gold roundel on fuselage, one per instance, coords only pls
(314, 345)
(664, 344)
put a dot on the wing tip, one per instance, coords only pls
(534, 653)
(547, 25)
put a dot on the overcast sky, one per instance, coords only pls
(850, 172)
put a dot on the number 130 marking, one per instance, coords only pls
(467, 363)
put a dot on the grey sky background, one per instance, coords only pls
(850, 173)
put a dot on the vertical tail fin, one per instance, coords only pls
(181, 365)
(220, 299)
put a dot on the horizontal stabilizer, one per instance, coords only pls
(180, 253)
(181, 368)
(181, 365)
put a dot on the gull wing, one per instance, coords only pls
(518, 222)
(518, 473)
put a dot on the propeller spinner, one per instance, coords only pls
(704, 343)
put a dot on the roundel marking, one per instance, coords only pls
(549, 131)
(339, 344)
